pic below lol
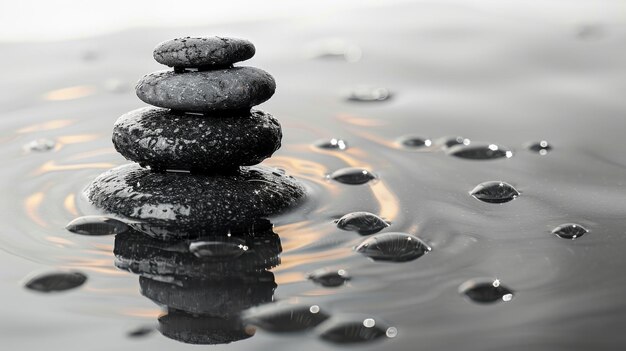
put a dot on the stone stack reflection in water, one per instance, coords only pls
(196, 151)
(203, 295)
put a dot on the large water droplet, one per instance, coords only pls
(413, 142)
(329, 278)
(332, 144)
(364, 223)
(481, 291)
(480, 152)
(540, 147)
(366, 93)
(570, 231)
(96, 225)
(352, 176)
(55, 282)
(227, 248)
(40, 145)
(285, 317)
(394, 247)
(353, 329)
(495, 192)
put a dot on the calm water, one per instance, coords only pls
(495, 276)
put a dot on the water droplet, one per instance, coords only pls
(55, 282)
(366, 93)
(495, 192)
(364, 223)
(329, 278)
(410, 141)
(141, 332)
(570, 231)
(394, 247)
(227, 248)
(481, 291)
(354, 329)
(540, 147)
(96, 225)
(285, 317)
(480, 152)
(332, 144)
(335, 48)
(40, 145)
(453, 141)
(352, 176)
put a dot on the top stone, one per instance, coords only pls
(202, 52)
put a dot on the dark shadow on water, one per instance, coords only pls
(203, 292)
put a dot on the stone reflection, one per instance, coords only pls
(202, 295)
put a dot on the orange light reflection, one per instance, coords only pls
(31, 205)
(70, 93)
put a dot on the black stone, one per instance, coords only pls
(199, 52)
(164, 140)
(207, 91)
(189, 204)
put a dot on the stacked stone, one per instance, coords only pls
(202, 122)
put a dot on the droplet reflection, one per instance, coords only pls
(480, 152)
(366, 93)
(332, 144)
(56, 282)
(393, 247)
(484, 292)
(495, 192)
(329, 278)
(364, 223)
(570, 231)
(96, 225)
(352, 176)
(355, 329)
(541, 147)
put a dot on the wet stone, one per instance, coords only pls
(190, 204)
(355, 329)
(480, 152)
(570, 231)
(285, 317)
(393, 247)
(207, 91)
(414, 142)
(352, 176)
(368, 94)
(332, 144)
(541, 147)
(364, 223)
(201, 52)
(56, 282)
(485, 292)
(162, 139)
(329, 278)
(495, 192)
(96, 225)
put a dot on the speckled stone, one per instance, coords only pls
(193, 204)
(160, 139)
(207, 91)
(199, 52)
